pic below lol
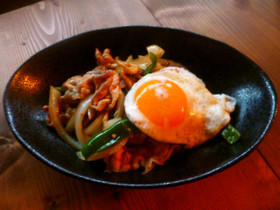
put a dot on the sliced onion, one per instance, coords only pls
(110, 122)
(95, 126)
(70, 127)
(120, 106)
(80, 113)
(54, 112)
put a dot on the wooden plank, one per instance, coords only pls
(252, 27)
(7, 6)
(248, 185)
(238, 24)
(28, 30)
(28, 183)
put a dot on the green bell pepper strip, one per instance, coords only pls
(107, 138)
(61, 90)
(150, 68)
(231, 134)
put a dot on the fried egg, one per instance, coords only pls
(174, 106)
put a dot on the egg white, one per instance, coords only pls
(207, 113)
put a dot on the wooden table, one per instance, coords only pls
(252, 27)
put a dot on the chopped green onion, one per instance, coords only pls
(231, 134)
(150, 68)
(106, 139)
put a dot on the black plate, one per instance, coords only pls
(222, 68)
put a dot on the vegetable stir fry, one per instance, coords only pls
(90, 111)
(87, 112)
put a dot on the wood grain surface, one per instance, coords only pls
(252, 27)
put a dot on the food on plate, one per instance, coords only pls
(137, 112)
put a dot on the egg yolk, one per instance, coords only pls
(163, 102)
